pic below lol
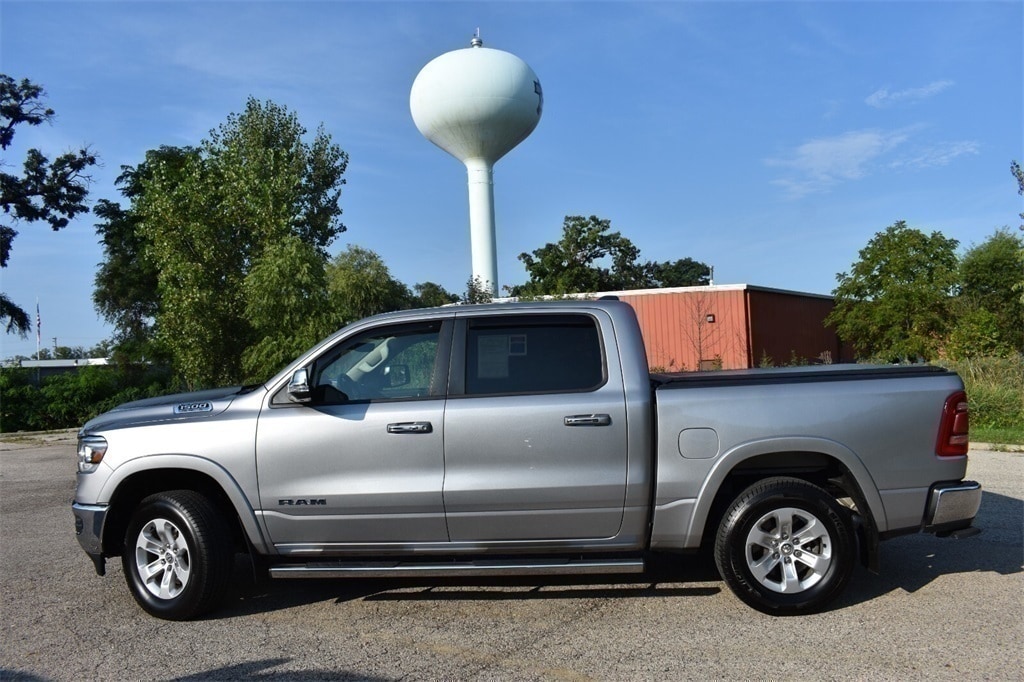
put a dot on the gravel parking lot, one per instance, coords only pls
(941, 609)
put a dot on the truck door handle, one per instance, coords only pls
(411, 427)
(588, 420)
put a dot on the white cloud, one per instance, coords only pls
(818, 164)
(883, 97)
(936, 155)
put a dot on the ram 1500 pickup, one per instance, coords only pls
(524, 438)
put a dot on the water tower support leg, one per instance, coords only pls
(481, 223)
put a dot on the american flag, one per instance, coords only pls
(39, 325)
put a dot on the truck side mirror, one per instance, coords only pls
(298, 386)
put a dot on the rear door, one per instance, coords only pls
(535, 430)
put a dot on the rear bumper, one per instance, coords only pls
(952, 506)
(89, 519)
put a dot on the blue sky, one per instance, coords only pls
(768, 139)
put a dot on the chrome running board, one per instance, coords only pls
(398, 569)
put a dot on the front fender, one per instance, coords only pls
(191, 463)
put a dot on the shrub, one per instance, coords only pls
(995, 389)
(69, 400)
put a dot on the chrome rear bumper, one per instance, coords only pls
(952, 507)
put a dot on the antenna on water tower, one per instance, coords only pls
(477, 104)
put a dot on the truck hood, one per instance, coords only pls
(192, 406)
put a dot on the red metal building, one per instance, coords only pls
(733, 326)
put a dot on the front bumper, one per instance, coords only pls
(89, 519)
(952, 507)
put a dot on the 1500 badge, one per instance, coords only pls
(188, 408)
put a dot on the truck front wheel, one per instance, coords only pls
(785, 547)
(177, 555)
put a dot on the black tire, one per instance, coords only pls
(183, 540)
(786, 547)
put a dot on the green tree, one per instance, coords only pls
(126, 292)
(287, 305)
(988, 274)
(477, 291)
(590, 257)
(1018, 175)
(894, 302)
(684, 272)
(226, 222)
(361, 285)
(50, 192)
(430, 294)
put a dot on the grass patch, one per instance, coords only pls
(995, 391)
(1007, 436)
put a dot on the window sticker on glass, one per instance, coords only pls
(492, 356)
(517, 344)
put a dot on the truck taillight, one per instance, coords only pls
(953, 430)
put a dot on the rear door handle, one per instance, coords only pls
(588, 420)
(411, 427)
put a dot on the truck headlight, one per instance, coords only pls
(90, 453)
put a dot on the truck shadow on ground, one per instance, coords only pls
(255, 593)
(908, 563)
(262, 670)
(911, 562)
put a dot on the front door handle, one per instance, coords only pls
(411, 427)
(588, 420)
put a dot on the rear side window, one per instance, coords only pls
(533, 354)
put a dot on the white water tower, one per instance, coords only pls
(477, 104)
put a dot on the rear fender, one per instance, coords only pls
(740, 454)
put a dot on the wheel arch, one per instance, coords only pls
(825, 463)
(137, 480)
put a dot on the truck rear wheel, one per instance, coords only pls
(177, 555)
(785, 547)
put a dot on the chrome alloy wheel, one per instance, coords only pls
(788, 550)
(162, 558)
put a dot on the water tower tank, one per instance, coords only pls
(477, 104)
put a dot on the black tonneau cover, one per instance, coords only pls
(792, 375)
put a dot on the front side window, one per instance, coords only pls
(533, 354)
(386, 363)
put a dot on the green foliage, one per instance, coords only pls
(429, 295)
(70, 399)
(49, 192)
(894, 302)
(361, 285)
(12, 316)
(987, 304)
(995, 390)
(201, 269)
(220, 239)
(477, 291)
(1018, 175)
(975, 334)
(589, 257)
(684, 272)
(288, 306)
(22, 406)
(126, 289)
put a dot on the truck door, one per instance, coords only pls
(363, 461)
(535, 430)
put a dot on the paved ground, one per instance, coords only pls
(942, 609)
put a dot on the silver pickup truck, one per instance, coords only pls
(522, 439)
